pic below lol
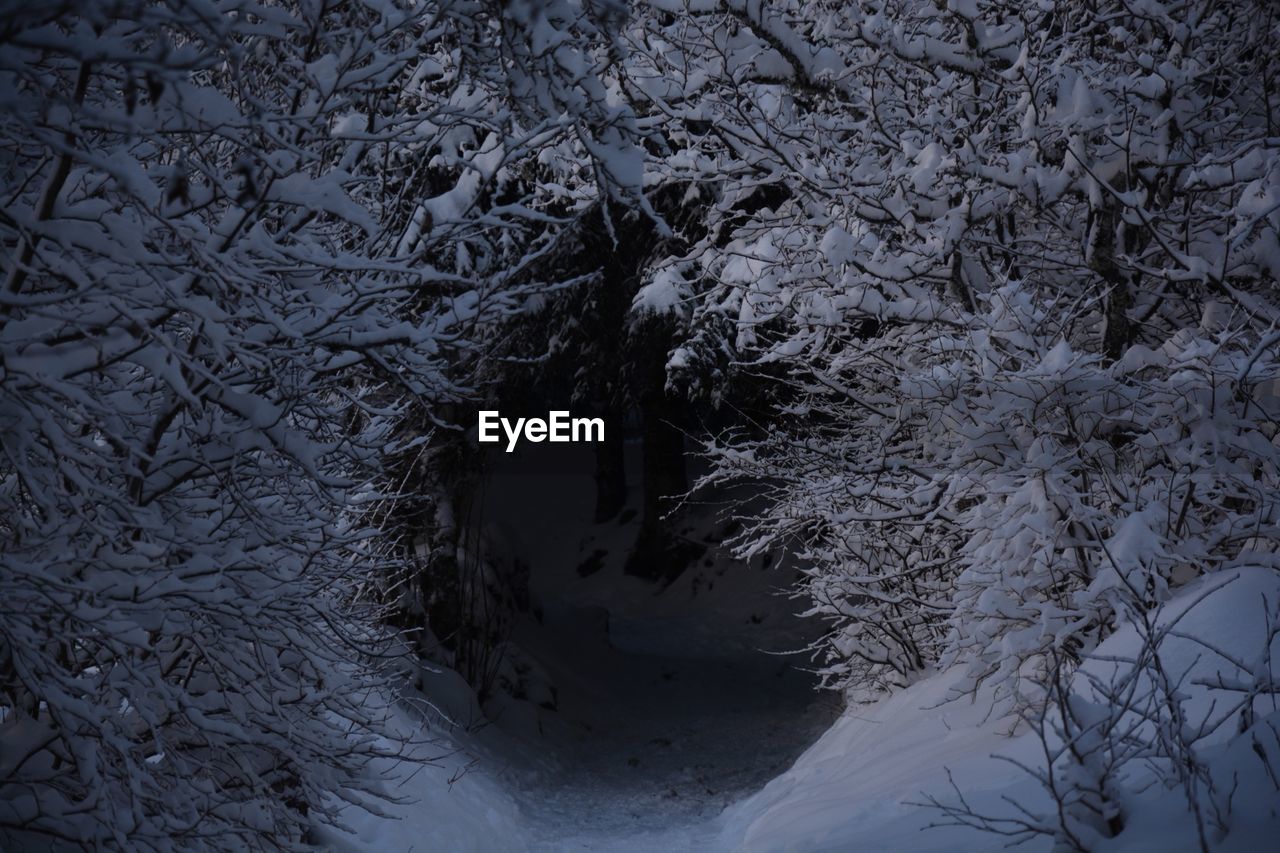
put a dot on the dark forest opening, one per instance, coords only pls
(621, 697)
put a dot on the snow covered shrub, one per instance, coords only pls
(1072, 481)
(1011, 269)
(1160, 732)
(192, 327)
(239, 240)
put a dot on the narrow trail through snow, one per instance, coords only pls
(645, 746)
(667, 706)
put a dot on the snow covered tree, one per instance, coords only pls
(528, 144)
(1014, 280)
(243, 244)
(995, 281)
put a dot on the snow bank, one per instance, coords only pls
(860, 787)
(452, 803)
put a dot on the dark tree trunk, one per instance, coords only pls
(1117, 331)
(665, 474)
(659, 553)
(611, 474)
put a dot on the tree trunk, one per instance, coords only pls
(660, 555)
(611, 474)
(665, 474)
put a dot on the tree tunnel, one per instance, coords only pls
(623, 701)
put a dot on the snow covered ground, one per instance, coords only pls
(647, 749)
(674, 731)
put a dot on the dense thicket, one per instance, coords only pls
(1015, 280)
(1011, 272)
(246, 251)
(987, 287)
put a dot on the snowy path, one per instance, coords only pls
(664, 717)
(646, 747)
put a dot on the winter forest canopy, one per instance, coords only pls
(956, 320)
